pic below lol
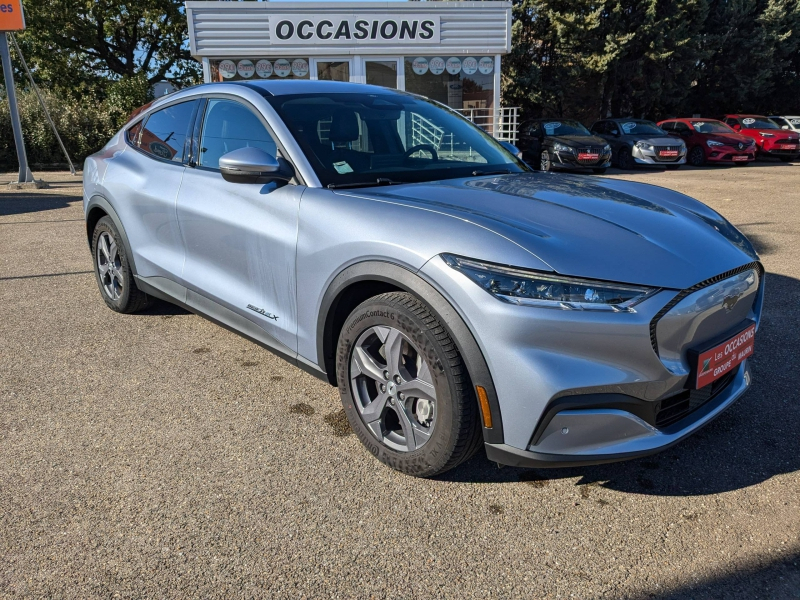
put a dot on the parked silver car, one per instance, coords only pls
(386, 245)
(639, 142)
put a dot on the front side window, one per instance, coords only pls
(363, 137)
(165, 132)
(229, 125)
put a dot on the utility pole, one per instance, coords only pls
(12, 19)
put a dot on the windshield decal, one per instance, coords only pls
(551, 127)
(699, 123)
(794, 121)
(628, 127)
(748, 121)
(342, 167)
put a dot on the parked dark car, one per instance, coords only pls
(770, 139)
(640, 142)
(549, 144)
(711, 141)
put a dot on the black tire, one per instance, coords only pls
(673, 167)
(624, 158)
(456, 433)
(126, 297)
(545, 163)
(599, 171)
(697, 157)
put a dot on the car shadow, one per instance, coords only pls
(754, 440)
(18, 203)
(656, 169)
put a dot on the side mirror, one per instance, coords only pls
(784, 127)
(737, 127)
(251, 165)
(511, 148)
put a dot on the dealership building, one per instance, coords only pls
(447, 51)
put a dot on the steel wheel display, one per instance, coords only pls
(393, 389)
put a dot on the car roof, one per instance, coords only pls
(305, 86)
(737, 115)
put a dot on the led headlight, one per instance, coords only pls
(531, 288)
(606, 149)
(712, 143)
(561, 148)
(644, 146)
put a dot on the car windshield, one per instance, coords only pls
(634, 127)
(711, 127)
(759, 123)
(564, 127)
(368, 138)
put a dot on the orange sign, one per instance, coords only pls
(11, 18)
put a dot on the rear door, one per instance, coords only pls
(144, 182)
(240, 238)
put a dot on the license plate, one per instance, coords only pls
(587, 156)
(723, 358)
(740, 157)
(668, 153)
(788, 146)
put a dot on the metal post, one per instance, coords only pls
(25, 175)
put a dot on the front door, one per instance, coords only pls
(240, 238)
(382, 71)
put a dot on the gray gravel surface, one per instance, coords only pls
(158, 455)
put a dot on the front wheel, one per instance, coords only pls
(697, 157)
(404, 386)
(545, 164)
(624, 158)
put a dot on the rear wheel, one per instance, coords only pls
(697, 157)
(113, 272)
(404, 387)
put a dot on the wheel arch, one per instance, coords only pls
(99, 207)
(367, 279)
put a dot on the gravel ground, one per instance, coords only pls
(158, 455)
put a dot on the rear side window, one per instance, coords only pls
(229, 125)
(165, 133)
(132, 134)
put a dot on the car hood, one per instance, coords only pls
(576, 141)
(728, 138)
(601, 228)
(779, 134)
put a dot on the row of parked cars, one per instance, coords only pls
(549, 144)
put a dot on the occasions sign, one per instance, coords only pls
(352, 30)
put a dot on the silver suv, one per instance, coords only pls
(387, 246)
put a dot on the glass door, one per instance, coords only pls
(332, 69)
(382, 71)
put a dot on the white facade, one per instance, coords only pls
(449, 51)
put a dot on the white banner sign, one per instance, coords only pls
(353, 30)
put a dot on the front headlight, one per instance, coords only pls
(606, 149)
(712, 143)
(531, 288)
(561, 148)
(764, 134)
(644, 146)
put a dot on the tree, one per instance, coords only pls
(80, 44)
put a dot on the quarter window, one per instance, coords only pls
(228, 126)
(165, 133)
(133, 133)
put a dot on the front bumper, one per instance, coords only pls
(729, 154)
(651, 157)
(539, 357)
(775, 150)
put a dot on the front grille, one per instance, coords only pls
(673, 409)
(698, 286)
(589, 161)
(658, 149)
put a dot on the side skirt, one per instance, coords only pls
(174, 293)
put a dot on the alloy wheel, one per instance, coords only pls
(109, 266)
(393, 389)
(697, 157)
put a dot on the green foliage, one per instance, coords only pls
(653, 58)
(85, 125)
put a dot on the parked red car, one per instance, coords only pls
(709, 140)
(770, 138)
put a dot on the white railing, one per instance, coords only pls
(501, 123)
(423, 131)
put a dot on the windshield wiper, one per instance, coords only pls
(357, 184)
(497, 172)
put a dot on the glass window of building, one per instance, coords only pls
(258, 68)
(459, 82)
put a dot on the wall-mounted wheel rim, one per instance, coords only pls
(109, 266)
(393, 389)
